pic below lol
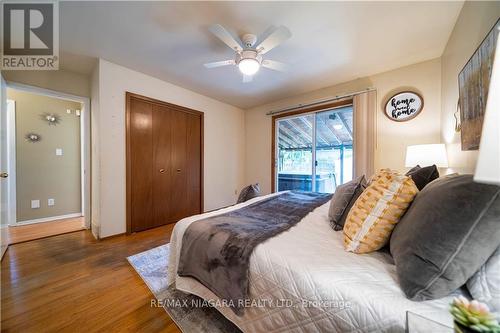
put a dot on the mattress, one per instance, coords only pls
(304, 281)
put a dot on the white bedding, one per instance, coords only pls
(344, 292)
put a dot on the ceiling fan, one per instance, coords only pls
(248, 55)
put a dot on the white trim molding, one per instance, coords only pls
(4, 237)
(48, 219)
(84, 149)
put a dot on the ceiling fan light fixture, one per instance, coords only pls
(249, 50)
(249, 66)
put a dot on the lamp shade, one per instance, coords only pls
(488, 163)
(425, 155)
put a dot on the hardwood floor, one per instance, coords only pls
(24, 233)
(74, 283)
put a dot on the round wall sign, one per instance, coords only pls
(404, 106)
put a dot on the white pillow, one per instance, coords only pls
(484, 286)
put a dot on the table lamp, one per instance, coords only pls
(425, 155)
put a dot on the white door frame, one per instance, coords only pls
(11, 162)
(4, 206)
(84, 146)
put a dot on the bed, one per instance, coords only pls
(302, 280)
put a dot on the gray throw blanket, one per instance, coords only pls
(216, 250)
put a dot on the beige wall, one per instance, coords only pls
(60, 80)
(392, 137)
(474, 22)
(40, 174)
(223, 142)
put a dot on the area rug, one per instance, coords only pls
(189, 312)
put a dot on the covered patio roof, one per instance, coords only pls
(333, 129)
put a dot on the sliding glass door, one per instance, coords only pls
(314, 150)
(295, 153)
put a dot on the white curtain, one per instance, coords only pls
(364, 123)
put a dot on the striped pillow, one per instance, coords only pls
(374, 215)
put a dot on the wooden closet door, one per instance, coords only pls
(164, 163)
(180, 164)
(163, 199)
(193, 170)
(140, 165)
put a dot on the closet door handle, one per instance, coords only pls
(178, 170)
(162, 170)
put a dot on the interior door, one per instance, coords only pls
(141, 165)
(164, 163)
(193, 171)
(179, 164)
(4, 186)
(162, 169)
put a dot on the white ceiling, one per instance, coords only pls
(332, 42)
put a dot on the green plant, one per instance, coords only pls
(474, 315)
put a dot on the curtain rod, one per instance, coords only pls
(326, 100)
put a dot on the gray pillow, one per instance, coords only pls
(423, 176)
(344, 197)
(484, 286)
(450, 230)
(249, 192)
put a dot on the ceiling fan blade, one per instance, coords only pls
(224, 35)
(219, 63)
(275, 65)
(247, 78)
(278, 36)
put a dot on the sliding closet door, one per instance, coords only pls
(193, 170)
(164, 163)
(140, 165)
(180, 163)
(186, 163)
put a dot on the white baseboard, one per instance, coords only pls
(4, 240)
(48, 219)
(95, 230)
(3, 249)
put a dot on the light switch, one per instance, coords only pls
(51, 202)
(35, 203)
(59, 151)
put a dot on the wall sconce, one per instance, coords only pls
(33, 137)
(51, 118)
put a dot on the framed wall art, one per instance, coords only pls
(404, 106)
(473, 84)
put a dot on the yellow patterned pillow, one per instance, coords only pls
(377, 210)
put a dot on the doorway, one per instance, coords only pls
(48, 158)
(313, 151)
